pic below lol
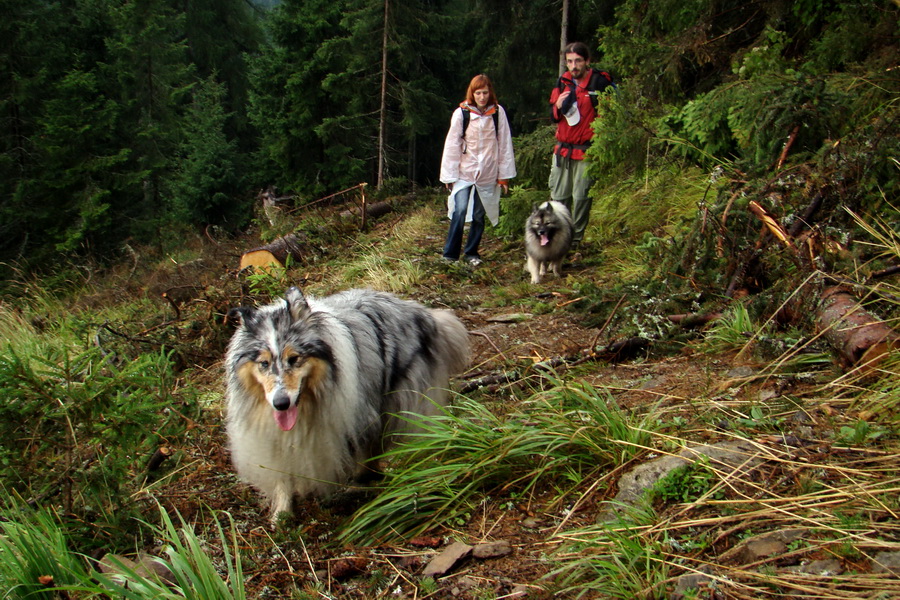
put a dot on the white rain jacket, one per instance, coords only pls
(483, 158)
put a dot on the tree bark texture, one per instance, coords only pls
(860, 338)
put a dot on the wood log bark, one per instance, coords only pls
(373, 211)
(694, 320)
(860, 338)
(276, 253)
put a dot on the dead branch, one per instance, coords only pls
(157, 458)
(624, 349)
(611, 315)
(806, 217)
(885, 272)
(787, 147)
(771, 224)
(173, 305)
(491, 342)
(490, 379)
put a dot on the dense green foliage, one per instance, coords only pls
(122, 120)
(81, 429)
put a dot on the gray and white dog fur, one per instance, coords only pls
(313, 384)
(548, 237)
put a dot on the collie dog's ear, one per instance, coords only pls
(241, 315)
(297, 304)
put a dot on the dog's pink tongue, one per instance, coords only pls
(544, 240)
(286, 419)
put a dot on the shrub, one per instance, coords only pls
(80, 428)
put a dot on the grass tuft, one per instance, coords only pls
(558, 438)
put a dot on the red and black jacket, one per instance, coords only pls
(571, 140)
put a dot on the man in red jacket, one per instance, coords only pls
(573, 111)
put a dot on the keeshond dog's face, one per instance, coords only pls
(544, 223)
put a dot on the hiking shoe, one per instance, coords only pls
(473, 260)
(448, 259)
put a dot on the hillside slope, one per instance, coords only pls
(806, 511)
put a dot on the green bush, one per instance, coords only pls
(533, 152)
(79, 429)
(515, 210)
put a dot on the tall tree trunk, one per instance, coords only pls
(563, 36)
(382, 117)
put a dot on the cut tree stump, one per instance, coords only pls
(276, 253)
(860, 338)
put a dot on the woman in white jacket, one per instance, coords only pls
(477, 162)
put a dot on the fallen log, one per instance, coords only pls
(276, 253)
(694, 320)
(860, 338)
(373, 211)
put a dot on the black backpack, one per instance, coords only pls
(599, 82)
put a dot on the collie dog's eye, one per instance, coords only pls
(263, 364)
(293, 361)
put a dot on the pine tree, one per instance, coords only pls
(286, 99)
(206, 186)
(148, 59)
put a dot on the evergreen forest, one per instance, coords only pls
(131, 122)
(705, 404)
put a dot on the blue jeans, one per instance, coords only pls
(458, 224)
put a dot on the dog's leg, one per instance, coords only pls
(557, 268)
(280, 502)
(534, 269)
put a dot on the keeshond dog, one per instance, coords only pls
(548, 237)
(317, 387)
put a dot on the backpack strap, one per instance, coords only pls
(467, 115)
(599, 82)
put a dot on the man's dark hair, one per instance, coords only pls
(578, 48)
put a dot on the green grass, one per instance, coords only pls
(559, 439)
(396, 275)
(624, 560)
(731, 332)
(37, 561)
(35, 556)
(189, 559)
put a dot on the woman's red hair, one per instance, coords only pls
(478, 82)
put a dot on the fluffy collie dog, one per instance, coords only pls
(548, 237)
(314, 386)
